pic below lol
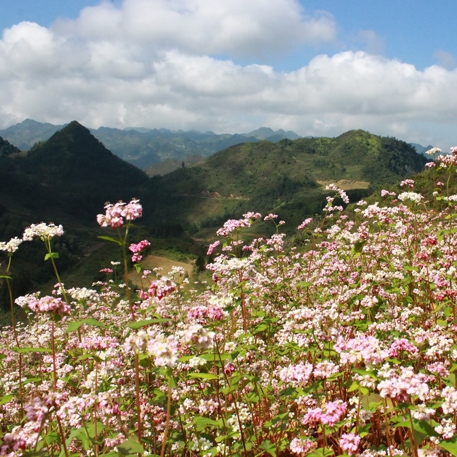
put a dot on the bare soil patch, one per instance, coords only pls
(347, 184)
(154, 261)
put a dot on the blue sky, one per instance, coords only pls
(315, 67)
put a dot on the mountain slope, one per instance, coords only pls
(288, 176)
(72, 171)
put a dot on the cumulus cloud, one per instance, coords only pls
(234, 27)
(173, 63)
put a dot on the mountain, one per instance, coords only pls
(288, 177)
(144, 147)
(7, 148)
(72, 171)
(68, 178)
(265, 133)
(421, 149)
(29, 132)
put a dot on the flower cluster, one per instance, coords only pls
(47, 304)
(137, 248)
(11, 246)
(43, 231)
(115, 214)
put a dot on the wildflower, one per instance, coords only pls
(329, 414)
(433, 151)
(43, 231)
(213, 246)
(302, 446)
(407, 182)
(137, 248)
(412, 196)
(11, 246)
(305, 223)
(46, 304)
(164, 350)
(349, 442)
(115, 214)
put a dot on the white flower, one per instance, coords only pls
(412, 196)
(42, 231)
(11, 246)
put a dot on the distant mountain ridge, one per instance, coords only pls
(145, 147)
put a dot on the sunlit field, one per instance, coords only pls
(342, 342)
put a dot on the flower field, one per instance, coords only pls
(344, 344)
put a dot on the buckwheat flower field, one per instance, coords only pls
(344, 345)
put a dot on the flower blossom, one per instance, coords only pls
(349, 443)
(45, 304)
(329, 414)
(11, 246)
(305, 223)
(302, 446)
(115, 214)
(137, 248)
(42, 231)
(412, 196)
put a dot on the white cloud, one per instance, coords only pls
(158, 63)
(233, 27)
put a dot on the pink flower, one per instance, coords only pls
(305, 223)
(407, 182)
(46, 304)
(212, 246)
(349, 442)
(302, 446)
(115, 214)
(137, 248)
(329, 414)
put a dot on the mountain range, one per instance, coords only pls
(144, 147)
(68, 178)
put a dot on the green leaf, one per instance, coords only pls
(130, 447)
(30, 380)
(269, 447)
(88, 356)
(81, 435)
(5, 399)
(91, 429)
(52, 437)
(113, 240)
(421, 427)
(51, 255)
(73, 326)
(206, 376)
(450, 446)
(358, 246)
(321, 452)
(24, 350)
(144, 323)
(5, 277)
(202, 422)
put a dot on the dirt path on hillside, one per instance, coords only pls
(347, 184)
(154, 261)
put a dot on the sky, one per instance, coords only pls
(317, 67)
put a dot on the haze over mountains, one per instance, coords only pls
(68, 178)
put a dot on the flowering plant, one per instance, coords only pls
(347, 346)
